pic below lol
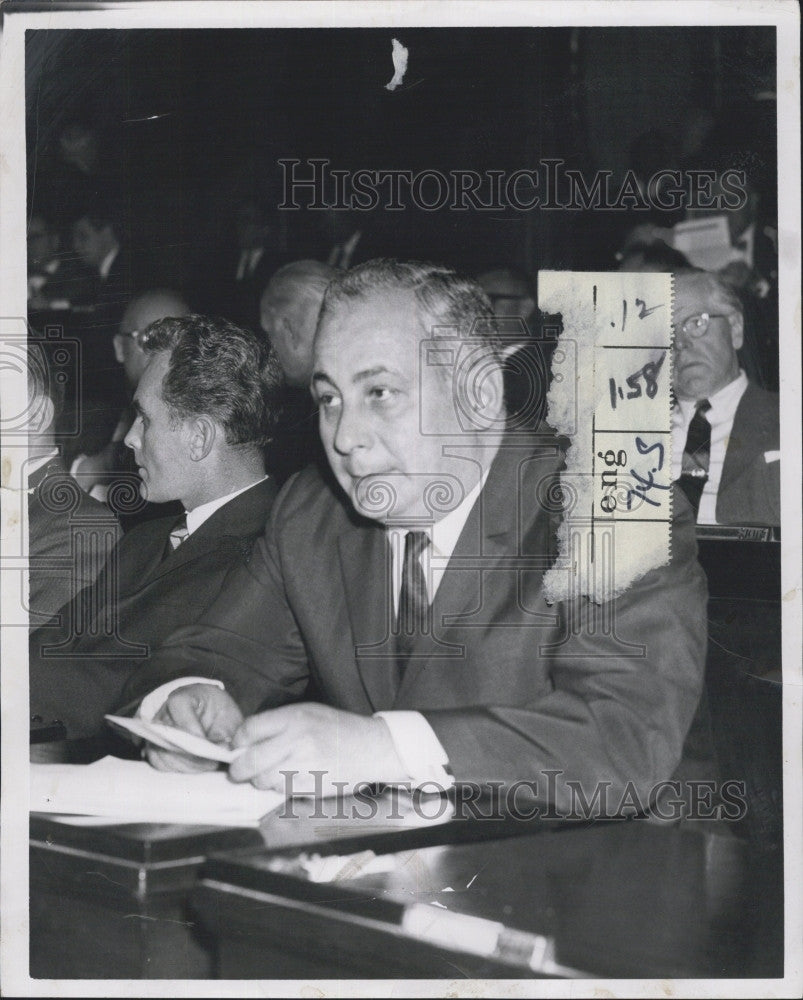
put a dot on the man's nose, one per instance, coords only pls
(132, 439)
(351, 431)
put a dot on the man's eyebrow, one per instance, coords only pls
(361, 376)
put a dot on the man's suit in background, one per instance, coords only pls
(70, 534)
(750, 488)
(160, 590)
(509, 684)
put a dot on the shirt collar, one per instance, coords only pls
(197, 516)
(723, 403)
(108, 260)
(444, 534)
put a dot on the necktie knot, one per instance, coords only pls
(702, 407)
(179, 533)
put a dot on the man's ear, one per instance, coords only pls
(203, 431)
(118, 348)
(736, 321)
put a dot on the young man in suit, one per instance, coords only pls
(205, 406)
(412, 597)
(726, 430)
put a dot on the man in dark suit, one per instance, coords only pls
(726, 431)
(205, 407)
(413, 599)
(97, 239)
(56, 280)
(69, 532)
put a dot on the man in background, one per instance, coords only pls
(70, 533)
(725, 429)
(55, 279)
(205, 405)
(289, 310)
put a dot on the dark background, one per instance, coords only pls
(231, 102)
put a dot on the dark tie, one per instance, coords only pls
(414, 610)
(696, 456)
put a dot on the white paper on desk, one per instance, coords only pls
(170, 738)
(132, 791)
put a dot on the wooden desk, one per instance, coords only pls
(110, 902)
(614, 900)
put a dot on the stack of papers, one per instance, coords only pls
(131, 791)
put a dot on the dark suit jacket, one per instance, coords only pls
(510, 685)
(750, 487)
(70, 535)
(78, 667)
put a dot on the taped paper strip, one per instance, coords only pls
(616, 411)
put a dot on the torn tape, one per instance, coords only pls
(616, 412)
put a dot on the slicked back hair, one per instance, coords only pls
(445, 298)
(220, 370)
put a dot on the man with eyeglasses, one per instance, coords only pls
(725, 429)
(93, 471)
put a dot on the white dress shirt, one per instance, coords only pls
(723, 409)
(417, 746)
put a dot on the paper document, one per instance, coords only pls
(705, 242)
(134, 792)
(170, 738)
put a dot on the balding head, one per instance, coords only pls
(141, 312)
(289, 315)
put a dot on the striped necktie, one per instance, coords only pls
(415, 613)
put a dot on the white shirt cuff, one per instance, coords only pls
(152, 702)
(419, 749)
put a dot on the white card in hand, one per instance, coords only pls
(170, 738)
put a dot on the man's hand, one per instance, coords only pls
(201, 709)
(310, 737)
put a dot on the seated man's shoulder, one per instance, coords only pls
(762, 403)
(311, 499)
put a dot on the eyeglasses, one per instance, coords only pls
(697, 325)
(140, 337)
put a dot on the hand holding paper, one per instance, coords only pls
(174, 740)
(203, 711)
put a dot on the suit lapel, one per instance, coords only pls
(244, 515)
(365, 568)
(497, 526)
(747, 438)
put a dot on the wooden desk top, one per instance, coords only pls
(618, 899)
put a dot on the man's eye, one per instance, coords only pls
(327, 400)
(381, 393)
